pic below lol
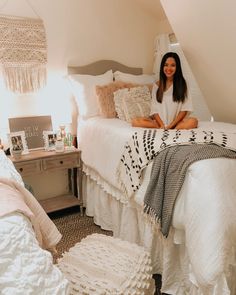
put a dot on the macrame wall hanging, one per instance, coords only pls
(23, 53)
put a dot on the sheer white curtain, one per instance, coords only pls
(163, 45)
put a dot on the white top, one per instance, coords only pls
(169, 109)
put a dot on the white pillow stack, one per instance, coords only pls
(84, 91)
(139, 79)
(128, 103)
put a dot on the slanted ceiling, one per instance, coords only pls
(153, 7)
(206, 32)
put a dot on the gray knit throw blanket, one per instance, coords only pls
(23, 53)
(167, 177)
(146, 144)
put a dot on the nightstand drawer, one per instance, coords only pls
(28, 168)
(65, 161)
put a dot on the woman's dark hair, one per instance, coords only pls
(179, 83)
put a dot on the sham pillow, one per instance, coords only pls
(140, 79)
(132, 103)
(105, 95)
(83, 89)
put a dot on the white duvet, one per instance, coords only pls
(204, 219)
(25, 268)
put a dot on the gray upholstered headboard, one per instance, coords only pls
(100, 67)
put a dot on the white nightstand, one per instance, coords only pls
(40, 161)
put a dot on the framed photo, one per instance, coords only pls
(50, 138)
(33, 127)
(17, 141)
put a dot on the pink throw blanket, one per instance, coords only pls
(14, 197)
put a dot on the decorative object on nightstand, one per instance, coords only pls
(16, 152)
(49, 138)
(59, 146)
(17, 143)
(33, 127)
(66, 138)
(68, 141)
(62, 132)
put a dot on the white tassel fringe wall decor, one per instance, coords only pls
(23, 53)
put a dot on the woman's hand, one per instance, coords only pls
(159, 121)
(170, 126)
(181, 115)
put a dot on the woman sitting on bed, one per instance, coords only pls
(170, 103)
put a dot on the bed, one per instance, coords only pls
(198, 256)
(26, 236)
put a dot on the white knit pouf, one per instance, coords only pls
(104, 265)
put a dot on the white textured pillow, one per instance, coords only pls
(132, 102)
(140, 79)
(84, 90)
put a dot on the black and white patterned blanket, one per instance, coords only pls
(167, 177)
(145, 144)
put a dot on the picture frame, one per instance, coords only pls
(17, 141)
(49, 138)
(33, 127)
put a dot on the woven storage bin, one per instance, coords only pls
(104, 265)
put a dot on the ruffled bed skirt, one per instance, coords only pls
(169, 256)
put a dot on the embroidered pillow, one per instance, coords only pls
(132, 103)
(83, 89)
(139, 79)
(105, 95)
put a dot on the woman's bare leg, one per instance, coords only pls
(144, 122)
(188, 123)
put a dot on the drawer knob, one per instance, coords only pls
(21, 169)
(61, 162)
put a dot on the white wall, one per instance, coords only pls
(78, 32)
(206, 32)
(81, 31)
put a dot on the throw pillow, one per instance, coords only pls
(132, 103)
(139, 79)
(105, 95)
(83, 89)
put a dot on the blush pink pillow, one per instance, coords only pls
(105, 95)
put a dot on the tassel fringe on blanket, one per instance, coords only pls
(23, 53)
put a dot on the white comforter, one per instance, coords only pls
(204, 218)
(102, 142)
(25, 268)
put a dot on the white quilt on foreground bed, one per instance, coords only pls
(204, 220)
(25, 268)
